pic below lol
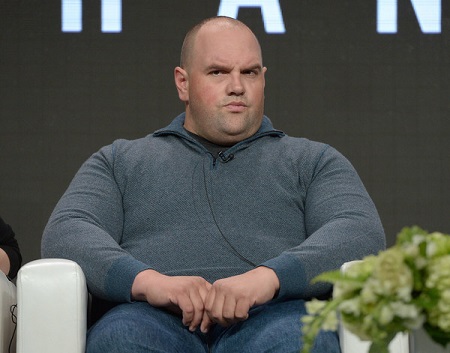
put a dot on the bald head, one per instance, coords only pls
(188, 48)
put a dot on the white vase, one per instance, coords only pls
(420, 342)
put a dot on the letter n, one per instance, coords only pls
(428, 13)
(72, 15)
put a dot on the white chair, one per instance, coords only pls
(7, 322)
(52, 302)
(52, 314)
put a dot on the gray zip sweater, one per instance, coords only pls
(164, 202)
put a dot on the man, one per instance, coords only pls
(207, 233)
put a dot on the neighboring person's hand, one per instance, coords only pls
(230, 299)
(4, 262)
(183, 295)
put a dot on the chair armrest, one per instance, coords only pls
(350, 343)
(51, 307)
(7, 326)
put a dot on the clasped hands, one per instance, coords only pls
(202, 304)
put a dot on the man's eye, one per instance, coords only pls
(216, 73)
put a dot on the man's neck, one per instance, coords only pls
(212, 147)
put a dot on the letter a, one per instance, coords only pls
(270, 10)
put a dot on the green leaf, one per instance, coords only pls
(379, 347)
(437, 335)
(407, 233)
(427, 300)
(338, 276)
(330, 276)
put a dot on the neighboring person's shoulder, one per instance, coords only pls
(10, 249)
(6, 231)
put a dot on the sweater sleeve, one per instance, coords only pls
(86, 227)
(9, 244)
(341, 221)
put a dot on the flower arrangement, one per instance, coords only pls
(403, 288)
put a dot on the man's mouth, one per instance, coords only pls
(236, 107)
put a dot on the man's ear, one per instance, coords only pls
(181, 81)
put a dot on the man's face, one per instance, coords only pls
(223, 85)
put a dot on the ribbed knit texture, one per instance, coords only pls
(163, 202)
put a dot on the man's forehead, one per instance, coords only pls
(223, 41)
(223, 27)
(225, 61)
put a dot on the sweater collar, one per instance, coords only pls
(176, 128)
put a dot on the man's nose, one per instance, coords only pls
(236, 86)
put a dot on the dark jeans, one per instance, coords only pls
(141, 328)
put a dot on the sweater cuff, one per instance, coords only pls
(120, 278)
(291, 275)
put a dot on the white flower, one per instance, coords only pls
(438, 271)
(350, 307)
(386, 315)
(420, 262)
(400, 289)
(393, 277)
(314, 306)
(331, 322)
(432, 249)
(413, 316)
(369, 291)
(417, 239)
